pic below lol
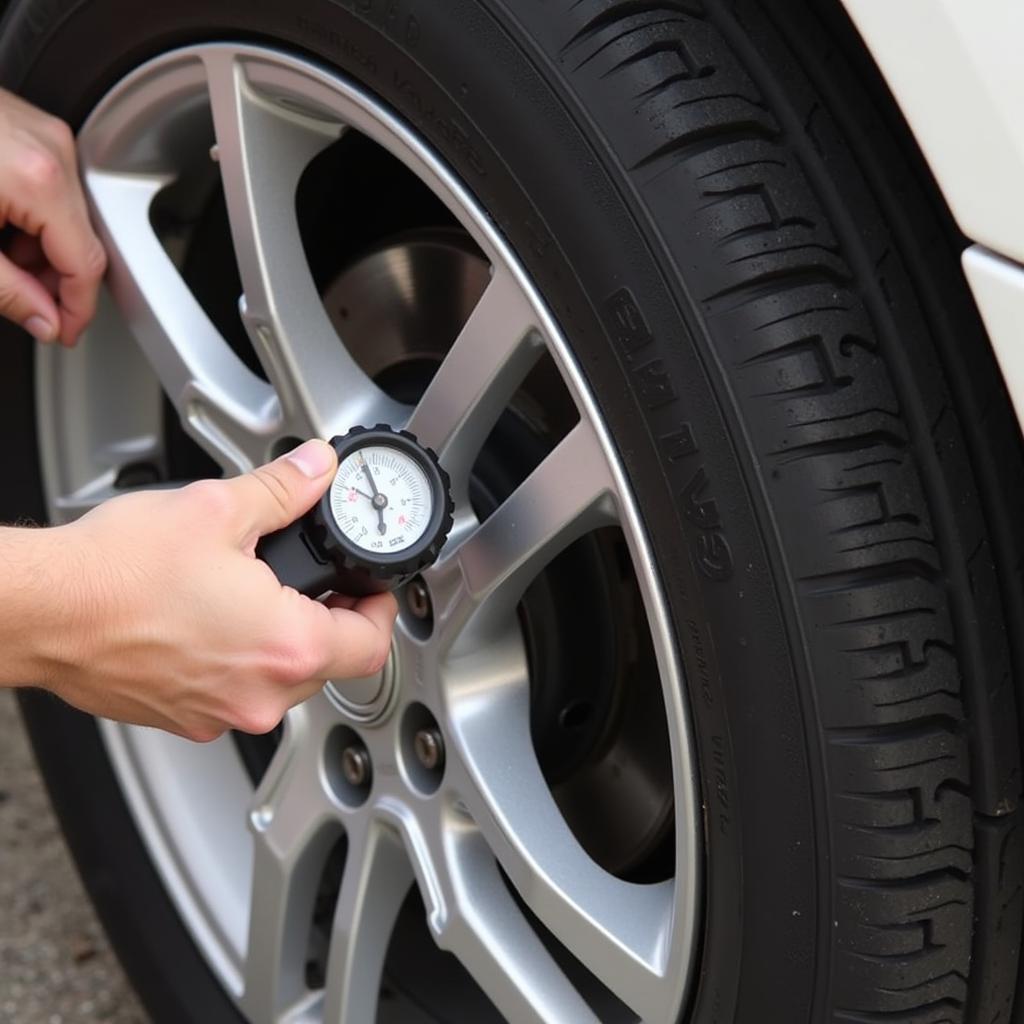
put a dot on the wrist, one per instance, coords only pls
(33, 605)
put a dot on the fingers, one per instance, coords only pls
(360, 640)
(77, 256)
(54, 201)
(278, 493)
(350, 643)
(25, 301)
(25, 251)
(379, 609)
(40, 193)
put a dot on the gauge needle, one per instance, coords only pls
(378, 499)
(369, 476)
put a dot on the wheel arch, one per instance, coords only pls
(956, 78)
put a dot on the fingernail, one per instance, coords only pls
(40, 329)
(314, 458)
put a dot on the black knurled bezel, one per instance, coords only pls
(323, 531)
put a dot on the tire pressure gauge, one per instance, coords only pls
(384, 518)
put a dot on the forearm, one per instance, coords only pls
(30, 596)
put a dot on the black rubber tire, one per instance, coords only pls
(722, 209)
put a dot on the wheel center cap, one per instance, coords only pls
(368, 700)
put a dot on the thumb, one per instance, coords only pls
(279, 492)
(25, 301)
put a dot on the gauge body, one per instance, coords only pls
(384, 518)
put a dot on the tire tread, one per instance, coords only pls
(827, 339)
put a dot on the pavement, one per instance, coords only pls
(56, 966)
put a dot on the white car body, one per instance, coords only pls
(954, 67)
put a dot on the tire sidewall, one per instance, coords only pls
(494, 105)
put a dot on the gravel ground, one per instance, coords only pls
(56, 966)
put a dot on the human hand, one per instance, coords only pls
(171, 621)
(51, 271)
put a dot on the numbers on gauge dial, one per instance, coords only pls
(381, 499)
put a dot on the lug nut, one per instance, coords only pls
(418, 598)
(429, 747)
(355, 766)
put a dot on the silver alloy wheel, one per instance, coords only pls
(238, 864)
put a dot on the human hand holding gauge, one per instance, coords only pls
(384, 518)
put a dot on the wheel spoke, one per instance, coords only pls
(376, 879)
(490, 358)
(617, 929)
(569, 494)
(263, 148)
(293, 831)
(225, 407)
(487, 931)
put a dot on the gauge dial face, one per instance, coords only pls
(381, 499)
